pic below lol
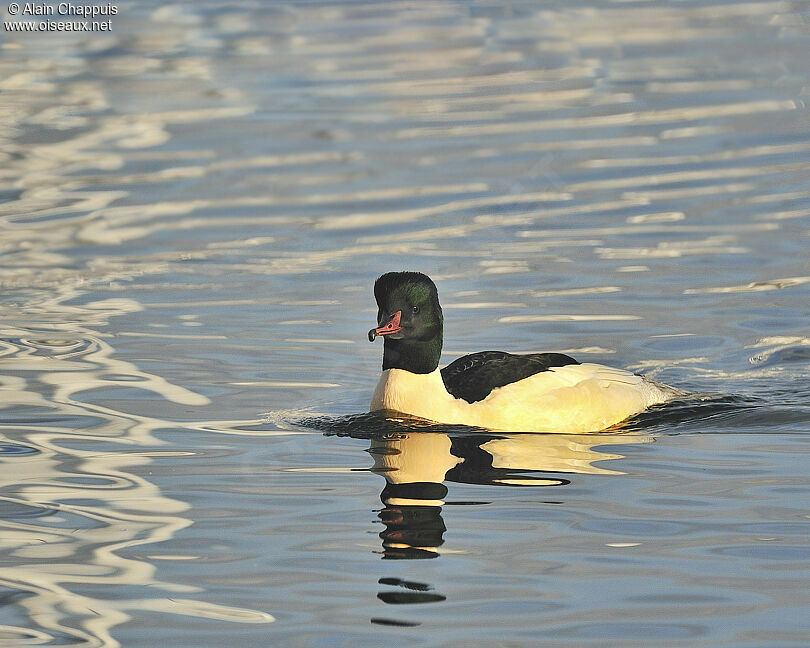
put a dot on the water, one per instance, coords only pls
(195, 206)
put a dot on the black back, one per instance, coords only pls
(473, 377)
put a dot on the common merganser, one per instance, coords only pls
(536, 392)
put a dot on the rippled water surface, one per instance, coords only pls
(194, 208)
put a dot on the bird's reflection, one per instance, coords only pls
(419, 460)
(414, 466)
(417, 464)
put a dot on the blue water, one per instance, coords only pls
(194, 208)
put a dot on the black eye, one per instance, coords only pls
(415, 310)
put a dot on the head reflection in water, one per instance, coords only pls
(415, 466)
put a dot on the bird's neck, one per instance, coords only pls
(416, 356)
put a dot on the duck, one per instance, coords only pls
(494, 390)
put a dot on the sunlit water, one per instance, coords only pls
(195, 207)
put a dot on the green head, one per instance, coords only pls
(409, 317)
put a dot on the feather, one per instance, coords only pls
(473, 377)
